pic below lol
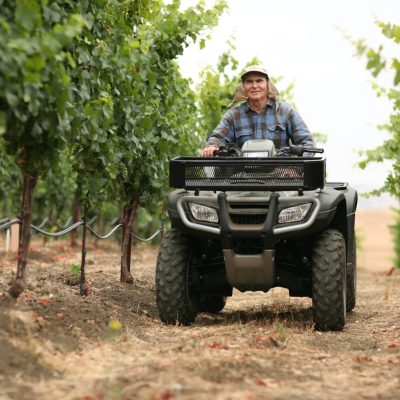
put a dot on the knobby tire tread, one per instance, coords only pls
(172, 294)
(351, 281)
(329, 281)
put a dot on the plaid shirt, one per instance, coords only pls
(279, 122)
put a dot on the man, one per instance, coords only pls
(262, 116)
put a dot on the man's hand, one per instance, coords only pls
(209, 151)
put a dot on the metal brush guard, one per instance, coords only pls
(237, 174)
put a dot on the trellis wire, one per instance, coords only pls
(8, 224)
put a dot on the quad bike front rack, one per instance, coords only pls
(256, 174)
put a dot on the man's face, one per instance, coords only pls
(255, 86)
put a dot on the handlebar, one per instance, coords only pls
(230, 150)
(298, 150)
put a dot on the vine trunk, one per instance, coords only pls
(18, 285)
(128, 221)
(83, 284)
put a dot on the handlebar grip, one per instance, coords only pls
(296, 150)
(299, 150)
(314, 149)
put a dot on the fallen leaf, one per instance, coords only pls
(362, 358)
(242, 395)
(395, 344)
(218, 346)
(166, 364)
(93, 397)
(260, 381)
(266, 382)
(262, 342)
(43, 300)
(260, 347)
(267, 339)
(115, 325)
(165, 395)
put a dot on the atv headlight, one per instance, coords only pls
(203, 213)
(293, 214)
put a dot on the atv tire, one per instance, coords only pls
(175, 297)
(212, 304)
(329, 281)
(351, 280)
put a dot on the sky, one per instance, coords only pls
(304, 41)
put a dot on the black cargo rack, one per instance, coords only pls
(237, 174)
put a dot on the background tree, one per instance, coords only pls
(156, 114)
(99, 76)
(34, 89)
(377, 63)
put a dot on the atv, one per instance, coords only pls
(253, 219)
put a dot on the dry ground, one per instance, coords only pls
(110, 345)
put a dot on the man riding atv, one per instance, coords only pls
(256, 218)
(262, 116)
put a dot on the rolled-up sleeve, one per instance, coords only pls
(224, 132)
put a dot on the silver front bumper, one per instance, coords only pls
(205, 200)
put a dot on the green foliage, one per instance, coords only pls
(54, 193)
(101, 76)
(216, 90)
(390, 149)
(395, 230)
(281, 332)
(149, 220)
(34, 80)
(75, 269)
(160, 121)
(10, 184)
(133, 111)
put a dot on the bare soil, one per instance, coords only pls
(111, 345)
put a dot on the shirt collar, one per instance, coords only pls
(270, 103)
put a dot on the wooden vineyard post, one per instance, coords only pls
(14, 237)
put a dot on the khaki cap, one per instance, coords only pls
(254, 68)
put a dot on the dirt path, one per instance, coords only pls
(111, 345)
(374, 237)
